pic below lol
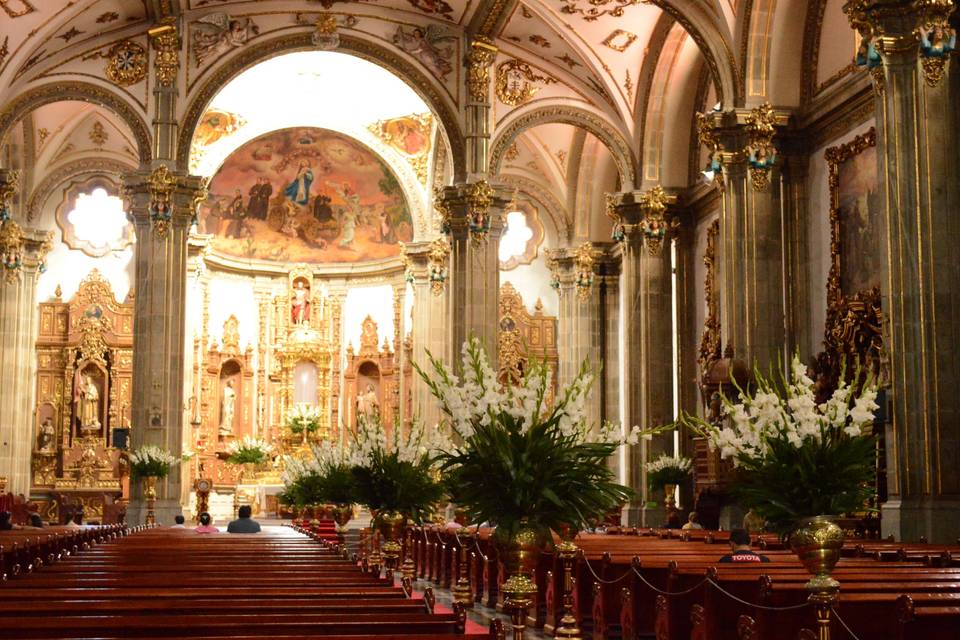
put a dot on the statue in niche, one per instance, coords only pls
(47, 436)
(300, 305)
(367, 404)
(227, 404)
(87, 399)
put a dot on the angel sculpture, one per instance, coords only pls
(430, 46)
(218, 33)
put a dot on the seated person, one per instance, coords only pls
(206, 524)
(693, 522)
(36, 521)
(244, 523)
(76, 521)
(178, 521)
(740, 550)
(6, 521)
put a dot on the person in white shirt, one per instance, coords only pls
(692, 522)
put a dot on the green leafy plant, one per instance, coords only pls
(522, 458)
(388, 483)
(795, 458)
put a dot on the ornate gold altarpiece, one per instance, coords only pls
(524, 335)
(84, 373)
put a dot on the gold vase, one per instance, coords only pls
(390, 524)
(342, 513)
(670, 497)
(150, 495)
(817, 542)
(520, 555)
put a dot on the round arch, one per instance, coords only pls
(251, 56)
(567, 114)
(84, 92)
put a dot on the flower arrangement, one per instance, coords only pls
(795, 458)
(303, 418)
(667, 470)
(151, 461)
(249, 450)
(394, 473)
(524, 461)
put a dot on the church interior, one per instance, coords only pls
(239, 233)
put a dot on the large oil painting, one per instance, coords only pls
(306, 195)
(855, 214)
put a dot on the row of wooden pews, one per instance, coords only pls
(175, 583)
(28, 549)
(669, 585)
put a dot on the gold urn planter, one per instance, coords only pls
(520, 556)
(817, 542)
(391, 524)
(342, 513)
(150, 495)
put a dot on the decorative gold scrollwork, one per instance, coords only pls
(479, 197)
(481, 55)
(655, 225)
(760, 150)
(126, 63)
(515, 82)
(162, 183)
(166, 42)
(583, 260)
(11, 236)
(437, 272)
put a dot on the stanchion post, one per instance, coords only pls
(568, 628)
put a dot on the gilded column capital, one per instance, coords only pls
(898, 32)
(573, 267)
(480, 57)
(742, 137)
(472, 208)
(163, 198)
(427, 263)
(643, 216)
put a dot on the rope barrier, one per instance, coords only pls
(844, 624)
(754, 605)
(601, 580)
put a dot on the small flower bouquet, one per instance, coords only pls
(667, 470)
(151, 461)
(249, 450)
(794, 458)
(303, 418)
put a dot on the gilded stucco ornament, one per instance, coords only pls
(479, 197)
(553, 265)
(515, 82)
(442, 209)
(655, 225)
(437, 255)
(710, 348)
(166, 43)
(583, 260)
(937, 38)
(707, 136)
(479, 58)
(11, 236)
(161, 183)
(760, 151)
(126, 63)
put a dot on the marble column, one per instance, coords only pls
(751, 257)
(473, 222)
(161, 204)
(578, 320)
(646, 285)
(427, 272)
(18, 327)
(919, 167)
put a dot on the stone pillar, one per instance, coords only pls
(578, 321)
(751, 223)
(645, 228)
(473, 221)
(23, 250)
(161, 204)
(427, 271)
(919, 165)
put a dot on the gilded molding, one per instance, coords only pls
(480, 56)
(710, 347)
(53, 180)
(84, 92)
(249, 56)
(586, 120)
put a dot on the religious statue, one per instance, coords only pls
(87, 399)
(300, 307)
(367, 404)
(227, 404)
(45, 439)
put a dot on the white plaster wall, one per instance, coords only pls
(532, 281)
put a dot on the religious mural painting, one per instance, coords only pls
(306, 195)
